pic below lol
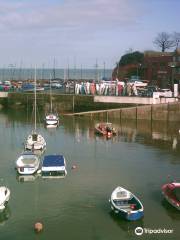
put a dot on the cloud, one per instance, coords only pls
(66, 15)
(39, 29)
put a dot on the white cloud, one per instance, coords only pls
(70, 14)
(39, 29)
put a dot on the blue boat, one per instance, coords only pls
(126, 204)
(28, 87)
(54, 166)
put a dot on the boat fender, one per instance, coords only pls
(132, 206)
(109, 134)
(39, 171)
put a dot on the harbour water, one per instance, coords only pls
(140, 158)
(13, 73)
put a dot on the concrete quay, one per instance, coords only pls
(103, 107)
(134, 99)
(159, 112)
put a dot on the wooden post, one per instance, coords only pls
(73, 103)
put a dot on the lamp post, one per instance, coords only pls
(174, 84)
(137, 70)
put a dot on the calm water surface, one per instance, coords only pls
(140, 158)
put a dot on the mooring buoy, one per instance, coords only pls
(38, 227)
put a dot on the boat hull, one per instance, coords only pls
(52, 122)
(167, 192)
(131, 216)
(26, 170)
(52, 119)
(4, 197)
(37, 144)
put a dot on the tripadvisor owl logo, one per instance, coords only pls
(139, 231)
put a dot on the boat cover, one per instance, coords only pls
(53, 160)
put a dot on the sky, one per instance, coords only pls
(81, 33)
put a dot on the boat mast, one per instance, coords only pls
(35, 100)
(50, 95)
(54, 69)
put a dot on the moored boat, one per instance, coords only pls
(52, 120)
(54, 166)
(105, 129)
(171, 192)
(35, 141)
(126, 204)
(4, 197)
(27, 163)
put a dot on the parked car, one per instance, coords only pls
(147, 91)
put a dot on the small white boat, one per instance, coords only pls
(35, 141)
(126, 204)
(27, 163)
(4, 197)
(52, 120)
(54, 166)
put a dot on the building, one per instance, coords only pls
(162, 68)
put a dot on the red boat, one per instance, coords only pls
(105, 129)
(171, 192)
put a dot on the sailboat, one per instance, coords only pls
(35, 141)
(51, 118)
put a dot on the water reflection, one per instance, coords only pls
(126, 226)
(146, 132)
(26, 178)
(32, 178)
(161, 134)
(128, 130)
(4, 216)
(46, 177)
(171, 211)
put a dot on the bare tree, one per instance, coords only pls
(164, 41)
(176, 39)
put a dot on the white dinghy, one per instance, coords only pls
(4, 197)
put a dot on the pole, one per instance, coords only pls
(137, 73)
(73, 103)
(104, 69)
(81, 72)
(35, 99)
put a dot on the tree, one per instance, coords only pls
(164, 41)
(128, 65)
(131, 58)
(176, 39)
